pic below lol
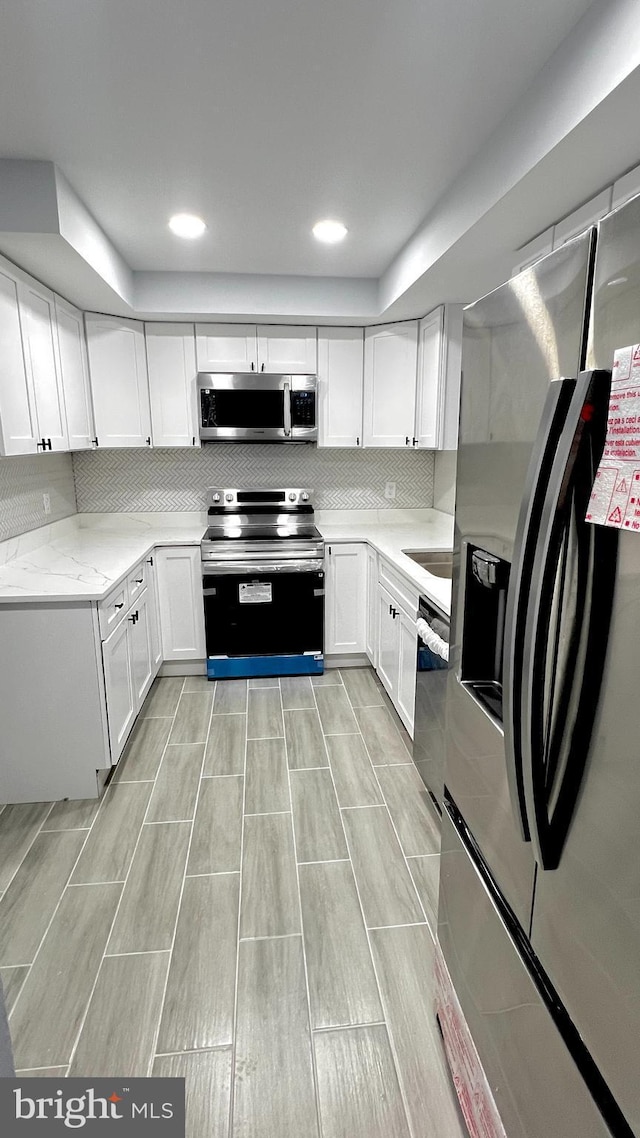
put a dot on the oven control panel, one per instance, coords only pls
(231, 499)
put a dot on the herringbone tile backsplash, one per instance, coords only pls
(23, 481)
(164, 479)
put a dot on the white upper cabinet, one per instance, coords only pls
(287, 349)
(171, 357)
(533, 251)
(119, 384)
(581, 218)
(18, 424)
(38, 321)
(626, 188)
(227, 347)
(340, 380)
(439, 369)
(74, 368)
(245, 347)
(390, 366)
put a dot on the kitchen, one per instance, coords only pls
(256, 762)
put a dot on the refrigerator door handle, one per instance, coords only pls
(559, 707)
(552, 421)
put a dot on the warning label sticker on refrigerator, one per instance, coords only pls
(615, 498)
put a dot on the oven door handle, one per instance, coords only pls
(287, 408)
(247, 568)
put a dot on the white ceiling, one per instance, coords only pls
(263, 117)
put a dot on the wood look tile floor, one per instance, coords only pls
(250, 905)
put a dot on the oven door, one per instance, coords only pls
(264, 619)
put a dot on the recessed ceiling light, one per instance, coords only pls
(329, 231)
(186, 225)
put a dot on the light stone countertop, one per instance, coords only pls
(83, 557)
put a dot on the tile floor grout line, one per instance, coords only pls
(122, 891)
(327, 860)
(266, 813)
(406, 925)
(230, 1111)
(348, 1027)
(216, 873)
(194, 1051)
(314, 1070)
(156, 1034)
(138, 952)
(277, 936)
(394, 1053)
(367, 806)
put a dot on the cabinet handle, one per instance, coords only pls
(193, 441)
(48, 444)
(415, 442)
(149, 560)
(148, 440)
(139, 582)
(390, 610)
(252, 366)
(329, 551)
(262, 368)
(95, 441)
(120, 606)
(407, 441)
(358, 440)
(132, 618)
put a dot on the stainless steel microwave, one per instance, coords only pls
(257, 407)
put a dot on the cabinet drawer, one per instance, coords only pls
(403, 593)
(112, 609)
(137, 580)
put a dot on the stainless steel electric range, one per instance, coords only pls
(263, 584)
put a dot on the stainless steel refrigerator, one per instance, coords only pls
(539, 917)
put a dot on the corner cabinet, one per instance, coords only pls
(390, 370)
(346, 599)
(179, 580)
(340, 384)
(171, 359)
(119, 381)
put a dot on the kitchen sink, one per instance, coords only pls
(440, 564)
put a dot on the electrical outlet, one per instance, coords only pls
(390, 490)
(46, 502)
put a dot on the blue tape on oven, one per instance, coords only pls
(233, 667)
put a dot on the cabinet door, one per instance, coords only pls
(226, 347)
(119, 385)
(287, 349)
(390, 365)
(430, 379)
(38, 320)
(18, 423)
(345, 599)
(407, 665)
(372, 605)
(74, 369)
(118, 678)
(154, 614)
(141, 649)
(181, 603)
(340, 380)
(388, 634)
(171, 357)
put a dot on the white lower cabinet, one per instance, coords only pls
(141, 650)
(397, 654)
(118, 678)
(154, 613)
(179, 577)
(372, 602)
(345, 598)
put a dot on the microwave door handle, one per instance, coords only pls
(287, 408)
(552, 421)
(574, 699)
